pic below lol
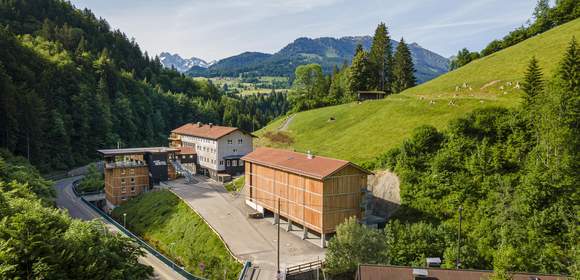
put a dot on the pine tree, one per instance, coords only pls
(359, 72)
(359, 48)
(403, 69)
(533, 84)
(381, 59)
(569, 70)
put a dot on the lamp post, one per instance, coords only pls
(171, 253)
(125, 220)
(458, 264)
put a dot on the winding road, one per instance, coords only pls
(66, 199)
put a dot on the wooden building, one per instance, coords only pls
(130, 172)
(388, 272)
(370, 95)
(315, 192)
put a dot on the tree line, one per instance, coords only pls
(544, 18)
(513, 172)
(376, 70)
(70, 85)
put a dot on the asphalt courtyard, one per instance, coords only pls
(248, 239)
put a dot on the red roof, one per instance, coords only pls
(316, 167)
(204, 130)
(186, 150)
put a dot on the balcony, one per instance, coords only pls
(124, 164)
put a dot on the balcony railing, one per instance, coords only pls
(124, 164)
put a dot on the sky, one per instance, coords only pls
(216, 29)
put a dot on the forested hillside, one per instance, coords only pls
(39, 241)
(70, 85)
(510, 174)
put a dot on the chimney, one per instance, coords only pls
(199, 124)
(210, 125)
(309, 155)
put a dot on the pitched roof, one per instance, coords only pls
(316, 167)
(186, 150)
(204, 130)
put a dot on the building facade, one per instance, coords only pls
(317, 193)
(218, 149)
(130, 172)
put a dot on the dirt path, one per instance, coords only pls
(286, 123)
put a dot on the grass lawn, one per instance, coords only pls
(360, 132)
(168, 224)
(236, 185)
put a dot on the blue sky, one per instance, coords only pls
(215, 29)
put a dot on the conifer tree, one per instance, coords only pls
(403, 69)
(569, 70)
(533, 84)
(359, 48)
(381, 59)
(359, 72)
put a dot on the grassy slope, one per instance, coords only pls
(162, 218)
(361, 131)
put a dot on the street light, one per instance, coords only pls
(458, 264)
(125, 220)
(171, 253)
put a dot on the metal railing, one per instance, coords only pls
(182, 170)
(304, 267)
(142, 243)
(119, 164)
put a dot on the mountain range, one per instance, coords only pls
(182, 64)
(325, 51)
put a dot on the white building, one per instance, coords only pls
(217, 149)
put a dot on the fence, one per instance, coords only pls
(143, 244)
(297, 269)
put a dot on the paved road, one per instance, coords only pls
(248, 239)
(66, 199)
(286, 123)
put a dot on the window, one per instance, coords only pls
(133, 189)
(241, 163)
(234, 150)
(123, 198)
(190, 156)
(122, 171)
(221, 162)
(230, 141)
(133, 181)
(123, 189)
(227, 163)
(240, 141)
(234, 162)
(122, 181)
(132, 171)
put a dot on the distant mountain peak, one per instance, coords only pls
(182, 64)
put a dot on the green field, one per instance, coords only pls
(235, 185)
(359, 132)
(168, 224)
(246, 86)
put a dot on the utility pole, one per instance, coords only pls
(458, 264)
(278, 245)
(125, 220)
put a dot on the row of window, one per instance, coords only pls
(124, 189)
(207, 160)
(231, 141)
(123, 181)
(131, 171)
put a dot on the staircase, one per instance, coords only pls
(183, 171)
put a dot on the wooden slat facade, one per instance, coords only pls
(318, 204)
